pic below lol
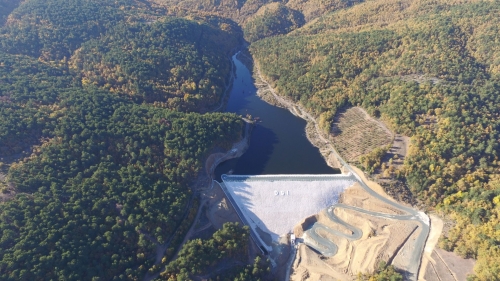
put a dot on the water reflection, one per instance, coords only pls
(278, 144)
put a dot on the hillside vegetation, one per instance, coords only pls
(430, 69)
(6, 7)
(101, 134)
(272, 19)
(230, 243)
(181, 64)
(95, 176)
(54, 29)
(355, 134)
(312, 9)
(242, 10)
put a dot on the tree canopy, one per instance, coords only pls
(228, 245)
(99, 174)
(178, 63)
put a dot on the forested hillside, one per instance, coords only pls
(101, 134)
(198, 257)
(272, 19)
(430, 70)
(180, 63)
(54, 29)
(111, 184)
(93, 175)
(242, 11)
(6, 7)
(29, 93)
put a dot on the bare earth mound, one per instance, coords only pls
(355, 133)
(382, 238)
(384, 234)
(358, 197)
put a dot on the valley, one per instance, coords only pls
(121, 122)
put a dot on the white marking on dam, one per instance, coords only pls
(276, 203)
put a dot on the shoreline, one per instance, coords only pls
(315, 136)
(313, 133)
(236, 151)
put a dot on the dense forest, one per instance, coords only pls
(242, 11)
(54, 29)
(96, 162)
(271, 20)
(110, 185)
(200, 257)
(179, 63)
(430, 70)
(6, 7)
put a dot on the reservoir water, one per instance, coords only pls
(278, 144)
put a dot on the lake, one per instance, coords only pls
(278, 144)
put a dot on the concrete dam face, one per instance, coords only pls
(273, 204)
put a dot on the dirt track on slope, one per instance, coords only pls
(381, 239)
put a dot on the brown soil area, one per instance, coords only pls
(320, 218)
(309, 266)
(358, 197)
(447, 266)
(436, 228)
(373, 185)
(219, 209)
(381, 240)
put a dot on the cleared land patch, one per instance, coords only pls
(380, 231)
(447, 266)
(355, 133)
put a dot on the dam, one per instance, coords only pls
(271, 205)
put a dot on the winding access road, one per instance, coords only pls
(328, 248)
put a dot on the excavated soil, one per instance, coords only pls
(382, 239)
(356, 196)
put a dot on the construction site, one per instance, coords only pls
(329, 227)
(340, 225)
